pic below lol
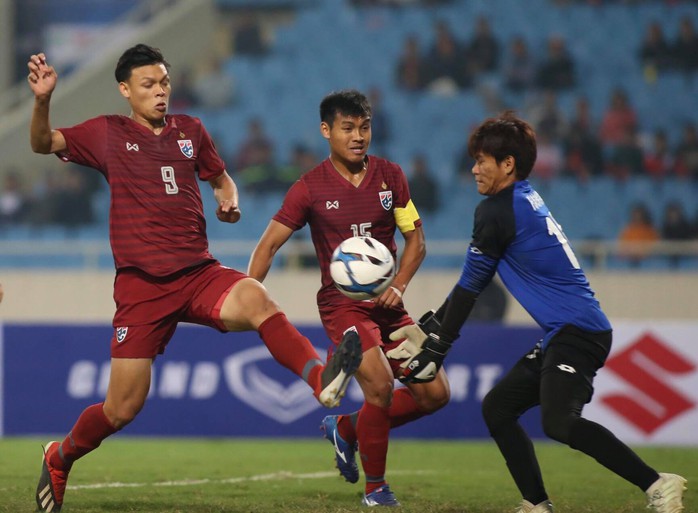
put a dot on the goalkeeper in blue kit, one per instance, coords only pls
(515, 235)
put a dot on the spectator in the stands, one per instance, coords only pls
(556, 70)
(619, 117)
(447, 70)
(547, 117)
(380, 123)
(687, 152)
(255, 161)
(582, 149)
(249, 38)
(627, 157)
(655, 53)
(183, 95)
(424, 187)
(13, 200)
(255, 147)
(659, 162)
(411, 72)
(215, 86)
(549, 159)
(482, 51)
(518, 69)
(685, 47)
(302, 159)
(637, 237)
(72, 202)
(675, 227)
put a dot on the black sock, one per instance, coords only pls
(598, 442)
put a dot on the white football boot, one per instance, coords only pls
(543, 507)
(665, 494)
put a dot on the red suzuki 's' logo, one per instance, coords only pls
(643, 364)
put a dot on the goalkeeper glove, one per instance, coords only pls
(423, 367)
(414, 335)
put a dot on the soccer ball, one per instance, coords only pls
(362, 268)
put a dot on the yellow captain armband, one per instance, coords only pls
(406, 217)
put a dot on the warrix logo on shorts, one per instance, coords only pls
(121, 334)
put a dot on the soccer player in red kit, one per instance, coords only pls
(352, 194)
(164, 271)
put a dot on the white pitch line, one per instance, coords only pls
(275, 476)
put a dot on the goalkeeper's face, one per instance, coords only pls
(492, 176)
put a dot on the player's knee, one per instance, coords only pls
(122, 414)
(494, 413)
(379, 394)
(490, 412)
(558, 425)
(435, 400)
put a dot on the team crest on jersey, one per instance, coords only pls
(386, 198)
(187, 148)
(121, 334)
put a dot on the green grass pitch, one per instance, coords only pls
(283, 475)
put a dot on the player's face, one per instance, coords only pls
(349, 138)
(490, 176)
(148, 92)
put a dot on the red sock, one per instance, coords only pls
(402, 410)
(88, 432)
(290, 348)
(373, 429)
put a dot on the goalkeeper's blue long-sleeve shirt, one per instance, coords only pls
(515, 235)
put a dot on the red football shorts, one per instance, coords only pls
(373, 324)
(148, 308)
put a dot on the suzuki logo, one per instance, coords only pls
(643, 365)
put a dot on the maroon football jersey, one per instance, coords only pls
(156, 218)
(336, 210)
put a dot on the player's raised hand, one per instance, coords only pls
(228, 212)
(423, 367)
(42, 77)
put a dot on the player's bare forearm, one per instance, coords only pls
(271, 241)
(412, 257)
(226, 194)
(40, 129)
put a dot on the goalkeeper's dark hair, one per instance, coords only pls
(348, 102)
(135, 57)
(503, 136)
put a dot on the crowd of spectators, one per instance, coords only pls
(574, 144)
(660, 54)
(638, 236)
(450, 64)
(582, 147)
(64, 199)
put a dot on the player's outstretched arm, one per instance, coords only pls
(226, 193)
(271, 241)
(423, 367)
(42, 80)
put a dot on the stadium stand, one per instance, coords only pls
(332, 44)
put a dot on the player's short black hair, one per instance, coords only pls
(135, 57)
(348, 102)
(503, 136)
